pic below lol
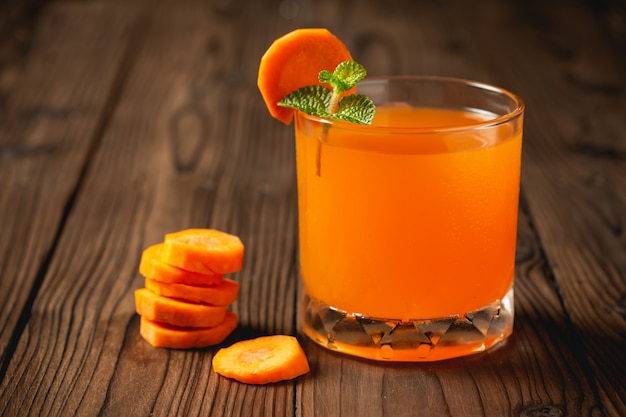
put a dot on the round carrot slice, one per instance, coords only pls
(295, 60)
(152, 266)
(168, 336)
(262, 360)
(221, 294)
(205, 251)
(176, 312)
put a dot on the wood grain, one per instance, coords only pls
(54, 114)
(574, 182)
(134, 119)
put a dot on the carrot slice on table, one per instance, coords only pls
(221, 294)
(262, 360)
(175, 312)
(164, 335)
(206, 251)
(295, 60)
(152, 266)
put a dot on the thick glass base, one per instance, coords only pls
(417, 340)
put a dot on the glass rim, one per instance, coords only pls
(487, 123)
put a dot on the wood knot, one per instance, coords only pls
(11, 153)
(188, 127)
(621, 306)
(544, 411)
(598, 151)
(523, 253)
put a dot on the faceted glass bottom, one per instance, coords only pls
(417, 340)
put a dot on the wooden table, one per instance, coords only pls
(121, 121)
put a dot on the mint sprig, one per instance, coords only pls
(328, 103)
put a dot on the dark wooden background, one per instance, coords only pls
(123, 120)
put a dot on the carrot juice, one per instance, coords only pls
(410, 223)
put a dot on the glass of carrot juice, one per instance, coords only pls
(407, 226)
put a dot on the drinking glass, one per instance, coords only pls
(407, 227)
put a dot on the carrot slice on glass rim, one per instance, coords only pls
(294, 60)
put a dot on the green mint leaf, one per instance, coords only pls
(350, 73)
(346, 75)
(326, 76)
(337, 84)
(327, 103)
(313, 100)
(356, 108)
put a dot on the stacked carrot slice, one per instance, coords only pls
(185, 300)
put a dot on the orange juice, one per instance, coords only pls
(411, 226)
(408, 226)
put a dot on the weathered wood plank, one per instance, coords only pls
(50, 122)
(574, 176)
(180, 150)
(17, 26)
(189, 143)
(475, 51)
